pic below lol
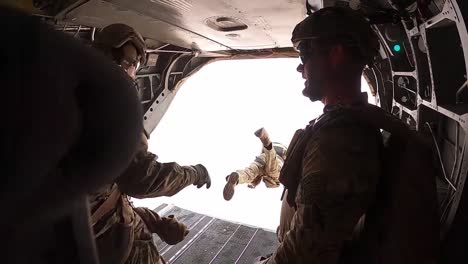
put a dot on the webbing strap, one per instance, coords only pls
(107, 205)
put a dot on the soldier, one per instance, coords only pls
(266, 167)
(332, 168)
(124, 233)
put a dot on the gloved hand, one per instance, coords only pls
(203, 176)
(171, 231)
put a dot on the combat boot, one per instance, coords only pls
(263, 136)
(232, 181)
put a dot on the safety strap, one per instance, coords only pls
(109, 204)
(127, 210)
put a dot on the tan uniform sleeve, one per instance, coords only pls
(340, 170)
(146, 177)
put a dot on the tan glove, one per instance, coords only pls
(167, 228)
(171, 231)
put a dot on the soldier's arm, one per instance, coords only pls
(169, 229)
(146, 177)
(338, 182)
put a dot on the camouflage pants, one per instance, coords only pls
(286, 215)
(143, 249)
(144, 252)
(267, 166)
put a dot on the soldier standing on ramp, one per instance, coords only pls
(124, 233)
(333, 165)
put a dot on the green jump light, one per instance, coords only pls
(397, 48)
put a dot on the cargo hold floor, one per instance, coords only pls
(214, 241)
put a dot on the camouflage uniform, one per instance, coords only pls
(333, 165)
(124, 234)
(266, 167)
(331, 175)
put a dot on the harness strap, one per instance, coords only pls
(109, 204)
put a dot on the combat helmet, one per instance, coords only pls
(280, 149)
(338, 23)
(115, 36)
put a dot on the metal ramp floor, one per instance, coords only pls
(214, 241)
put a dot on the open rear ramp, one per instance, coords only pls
(214, 241)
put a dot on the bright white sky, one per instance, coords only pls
(212, 121)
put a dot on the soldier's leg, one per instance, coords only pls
(286, 215)
(144, 251)
(263, 136)
(273, 165)
(246, 175)
(254, 170)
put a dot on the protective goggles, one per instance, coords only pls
(307, 49)
(126, 57)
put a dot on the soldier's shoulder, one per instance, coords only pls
(104, 191)
(339, 128)
(340, 117)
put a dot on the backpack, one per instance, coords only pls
(402, 226)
